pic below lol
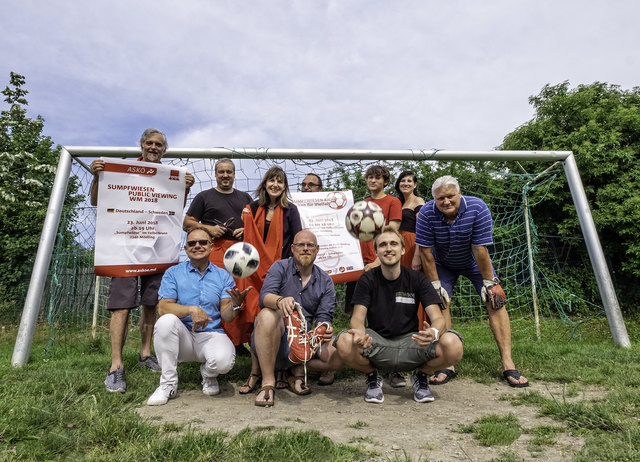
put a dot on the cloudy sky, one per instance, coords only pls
(364, 74)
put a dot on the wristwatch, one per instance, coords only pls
(236, 308)
(437, 336)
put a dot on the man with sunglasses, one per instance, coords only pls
(123, 291)
(193, 298)
(290, 281)
(219, 210)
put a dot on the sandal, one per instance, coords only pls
(247, 387)
(269, 396)
(515, 375)
(448, 373)
(304, 389)
(281, 379)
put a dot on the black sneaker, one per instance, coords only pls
(374, 392)
(421, 391)
(151, 362)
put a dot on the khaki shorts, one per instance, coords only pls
(399, 353)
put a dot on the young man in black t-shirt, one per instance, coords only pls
(386, 300)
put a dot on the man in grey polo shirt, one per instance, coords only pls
(290, 281)
(386, 299)
(453, 232)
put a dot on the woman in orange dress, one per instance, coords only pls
(270, 224)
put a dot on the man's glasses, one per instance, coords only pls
(304, 245)
(310, 185)
(202, 242)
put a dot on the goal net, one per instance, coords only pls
(530, 266)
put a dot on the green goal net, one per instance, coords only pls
(75, 299)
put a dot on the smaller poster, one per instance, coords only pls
(139, 218)
(324, 213)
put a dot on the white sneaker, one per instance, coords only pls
(162, 394)
(210, 386)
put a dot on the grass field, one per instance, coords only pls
(56, 408)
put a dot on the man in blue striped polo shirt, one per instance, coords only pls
(453, 232)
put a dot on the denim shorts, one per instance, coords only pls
(448, 277)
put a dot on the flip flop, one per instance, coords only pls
(248, 388)
(304, 389)
(449, 374)
(514, 374)
(270, 395)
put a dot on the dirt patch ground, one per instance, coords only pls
(426, 431)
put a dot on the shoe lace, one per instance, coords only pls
(374, 383)
(423, 380)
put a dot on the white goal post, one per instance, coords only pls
(52, 219)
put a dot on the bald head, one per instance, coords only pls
(304, 248)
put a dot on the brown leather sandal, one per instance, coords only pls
(269, 395)
(247, 388)
(304, 389)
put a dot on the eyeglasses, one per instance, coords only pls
(304, 245)
(202, 242)
(311, 185)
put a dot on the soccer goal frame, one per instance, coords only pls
(33, 299)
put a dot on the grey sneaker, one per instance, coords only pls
(151, 362)
(115, 381)
(162, 394)
(421, 391)
(374, 392)
(210, 386)
(397, 380)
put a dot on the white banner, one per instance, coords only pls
(324, 213)
(139, 217)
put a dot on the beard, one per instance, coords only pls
(305, 260)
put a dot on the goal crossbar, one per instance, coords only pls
(32, 302)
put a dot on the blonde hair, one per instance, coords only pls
(388, 229)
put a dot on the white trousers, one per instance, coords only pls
(175, 343)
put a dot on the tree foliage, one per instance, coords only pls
(600, 123)
(28, 164)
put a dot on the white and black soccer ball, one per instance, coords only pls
(241, 260)
(365, 220)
